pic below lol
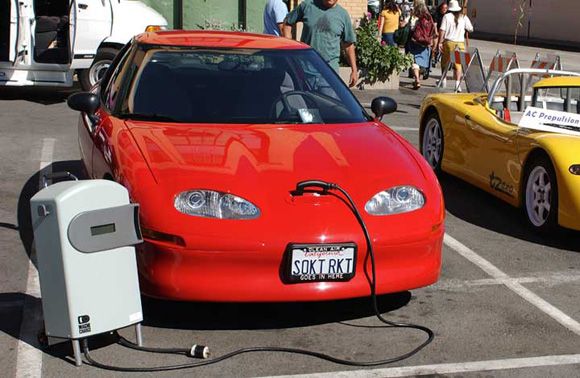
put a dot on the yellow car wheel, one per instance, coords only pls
(541, 194)
(432, 142)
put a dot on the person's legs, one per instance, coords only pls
(389, 39)
(458, 69)
(416, 72)
(445, 59)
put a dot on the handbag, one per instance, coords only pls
(401, 35)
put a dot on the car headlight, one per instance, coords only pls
(396, 200)
(212, 204)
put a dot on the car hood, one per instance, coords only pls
(250, 159)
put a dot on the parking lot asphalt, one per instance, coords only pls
(506, 304)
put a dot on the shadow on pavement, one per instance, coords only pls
(31, 187)
(199, 316)
(11, 317)
(11, 313)
(39, 95)
(233, 316)
(478, 207)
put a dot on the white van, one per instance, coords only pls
(44, 42)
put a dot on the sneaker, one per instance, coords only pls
(442, 83)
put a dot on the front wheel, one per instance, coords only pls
(432, 142)
(89, 77)
(541, 195)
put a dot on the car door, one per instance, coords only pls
(94, 23)
(20, 13)
(493, 160)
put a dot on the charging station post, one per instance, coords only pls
(84, 235)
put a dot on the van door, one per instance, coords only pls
(19, 31)
(93, 24)
(72, 21)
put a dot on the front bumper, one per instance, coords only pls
(257, 275)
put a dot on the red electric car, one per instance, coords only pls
(212, 132)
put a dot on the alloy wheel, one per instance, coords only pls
(433, 143)
(538, 196)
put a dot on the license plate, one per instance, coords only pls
(321, 262)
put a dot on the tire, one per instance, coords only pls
(89, 77)
(432, 142)
(541, 195)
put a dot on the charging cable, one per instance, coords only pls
(201, 351)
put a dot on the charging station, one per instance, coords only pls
(84, 233)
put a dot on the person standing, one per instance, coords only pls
(406, 9)
(451, 36)
(440, 11)
(326, 27)
(389, 22)
(275, 12)
(422, 33)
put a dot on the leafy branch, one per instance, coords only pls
(376, 61)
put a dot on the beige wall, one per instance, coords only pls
(556, 20)
(356, 8)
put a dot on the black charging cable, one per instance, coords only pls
(198, 351)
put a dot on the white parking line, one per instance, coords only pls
(462, 367)
(546, 279)
(403, 128)
(516, 287)
(29, 355)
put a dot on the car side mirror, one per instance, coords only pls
(84, 102)
(383, 105)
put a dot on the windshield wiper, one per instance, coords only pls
(148, 117)
(279, 122)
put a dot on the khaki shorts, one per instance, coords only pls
(448, 48)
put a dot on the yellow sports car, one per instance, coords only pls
(520, 142)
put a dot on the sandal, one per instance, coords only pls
(416, 85)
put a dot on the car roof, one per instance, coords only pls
(219, 39)
(559, 81)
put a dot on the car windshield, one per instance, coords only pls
(240, 87)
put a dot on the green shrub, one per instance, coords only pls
(376, 61)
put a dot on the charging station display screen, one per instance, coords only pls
(103, 229)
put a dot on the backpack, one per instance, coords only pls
(401, 35)
(423, 33)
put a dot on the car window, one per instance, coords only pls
(239, 86)
(564, 99)
(111, 82)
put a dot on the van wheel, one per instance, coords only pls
(88, 78)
